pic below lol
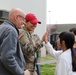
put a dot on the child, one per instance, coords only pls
(66, 60)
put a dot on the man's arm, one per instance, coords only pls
(52, 51)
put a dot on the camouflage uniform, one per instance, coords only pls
(30, 44)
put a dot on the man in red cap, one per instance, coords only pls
(30, 42)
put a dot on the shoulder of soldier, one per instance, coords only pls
(21, 33)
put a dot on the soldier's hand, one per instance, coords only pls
(44, 38)
(26, 72)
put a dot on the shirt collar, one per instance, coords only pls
(12, 24)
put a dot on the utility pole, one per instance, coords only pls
(49, 25)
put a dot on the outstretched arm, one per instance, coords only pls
(49, 47)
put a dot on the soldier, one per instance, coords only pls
(30, 42)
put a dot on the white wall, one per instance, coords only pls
(38, 7)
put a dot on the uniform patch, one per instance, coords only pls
(20, 36)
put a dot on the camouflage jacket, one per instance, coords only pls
(30, 44)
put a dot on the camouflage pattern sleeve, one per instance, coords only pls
(25, 42)
(22, 37)
(39, 55)
(39, 44)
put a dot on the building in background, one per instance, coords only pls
(3, 15)
(55, 29)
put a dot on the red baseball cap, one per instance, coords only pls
(32, 18)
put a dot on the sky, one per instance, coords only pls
(61, 11)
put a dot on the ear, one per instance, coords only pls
(16, 17)
(63, 42)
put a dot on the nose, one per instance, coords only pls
(35, 25)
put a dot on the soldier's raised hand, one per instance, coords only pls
(44, 38)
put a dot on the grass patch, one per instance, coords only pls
(48, 69)
(48, 57)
